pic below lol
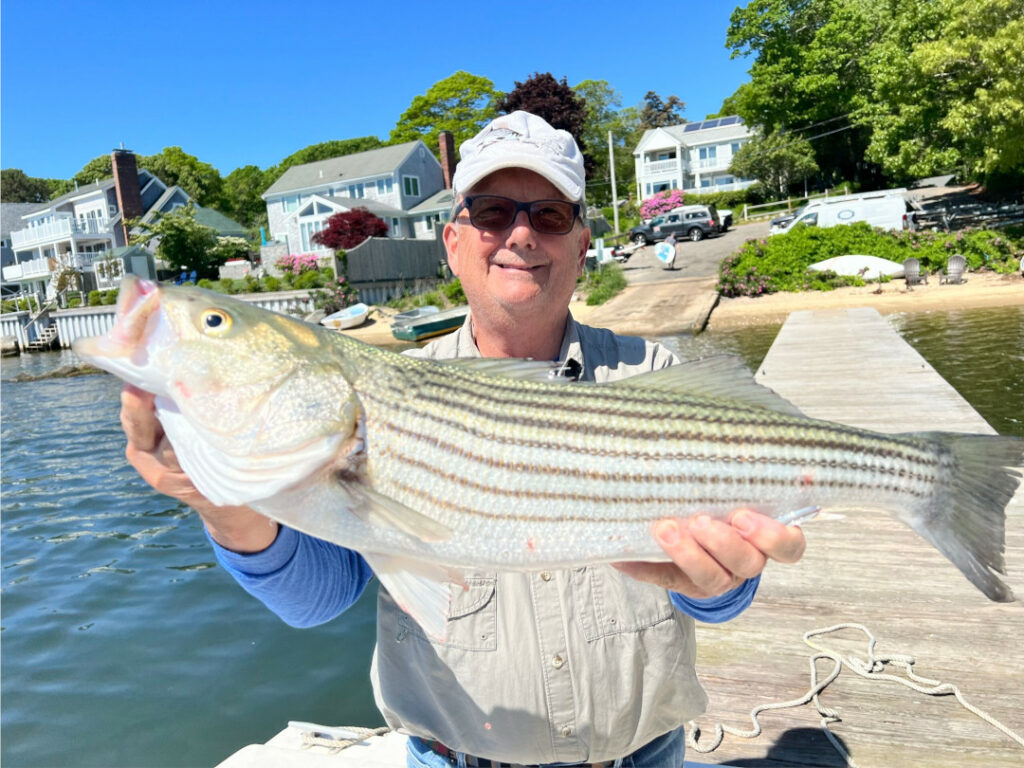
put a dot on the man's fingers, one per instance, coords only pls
(708, 552)
(783, 543)
(138, 418)
(736, 555)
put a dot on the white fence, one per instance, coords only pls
(777, 205)
(94, 321)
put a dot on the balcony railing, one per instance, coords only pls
(61, 229)
(661, 166)
(44, 267)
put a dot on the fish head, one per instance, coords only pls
(249, 381)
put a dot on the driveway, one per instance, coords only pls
(699, 259)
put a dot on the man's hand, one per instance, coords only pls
(710, 557)
(240, 529)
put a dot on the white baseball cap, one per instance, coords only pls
(522, 140)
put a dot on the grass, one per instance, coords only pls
(602, 284)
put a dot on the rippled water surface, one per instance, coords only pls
(123, 644)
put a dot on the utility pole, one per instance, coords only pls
(615, 197)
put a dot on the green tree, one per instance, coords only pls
(948, 91)
(776, 160)
(97, 168)
(603, 114)
(461, 103)
(18, 187)
(174, 166)
(323, 151)
(241, 192)
(182, 241)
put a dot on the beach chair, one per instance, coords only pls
(912, 273)
(954, 274)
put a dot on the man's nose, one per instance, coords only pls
(522, 231)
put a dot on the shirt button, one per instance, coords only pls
(557, 661)
(566, 731)
(546, 576)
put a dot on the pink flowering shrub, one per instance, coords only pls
(661, 203)
(297, 263)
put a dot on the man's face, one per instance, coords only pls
(518, 270)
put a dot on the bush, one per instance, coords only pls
(109, 297)
(335, 296)
(206, 283)
(95, 298)
(602, 284)
(307, 280)
(779, 263)
(453, 292)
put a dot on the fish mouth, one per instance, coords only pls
(137, 303)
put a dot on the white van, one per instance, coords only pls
(886, 208)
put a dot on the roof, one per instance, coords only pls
(11, 213)
(439, 201)
(224, 226)
(159, 203)
(698, 133)
(360, 165)
(373, 206)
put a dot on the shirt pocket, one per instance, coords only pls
(611, 603)
(472, 617)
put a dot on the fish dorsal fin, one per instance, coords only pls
(720, 377)
(511, 368)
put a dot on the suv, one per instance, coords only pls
(694, 221)
(642, 234)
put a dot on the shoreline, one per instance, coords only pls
(646, 315)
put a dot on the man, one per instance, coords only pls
(576, 667)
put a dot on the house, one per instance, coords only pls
(85, 228)
(403, 184)
(693, 156)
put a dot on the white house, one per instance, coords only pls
(403, 184)
(692, 156)
(87, 225)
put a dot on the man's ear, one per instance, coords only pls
(450, 235)
(584, 247)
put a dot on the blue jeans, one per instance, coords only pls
(666, 751)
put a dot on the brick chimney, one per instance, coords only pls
(126, 183)
(446, 143)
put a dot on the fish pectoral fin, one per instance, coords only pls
(374, 509)
(420, 589)
(720, 377)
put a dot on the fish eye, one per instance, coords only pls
(215, 321)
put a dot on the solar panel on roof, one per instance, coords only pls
(729, 120)
(691, 127)
(711, 123)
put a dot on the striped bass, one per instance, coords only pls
(433, 469)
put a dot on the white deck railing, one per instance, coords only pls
(61, 229)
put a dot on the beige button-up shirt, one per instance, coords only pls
(562, 666)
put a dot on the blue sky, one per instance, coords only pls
(239, 83)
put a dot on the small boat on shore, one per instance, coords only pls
(404, 318)
(434, 324)
(349, 317)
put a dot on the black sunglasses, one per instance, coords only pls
(495, 213)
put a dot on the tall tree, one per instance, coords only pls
(241, 195)
(656, 113)
(175, 166)
(97, 168)
(776, 160)
(603, 114)
(556, 102)
(461, 103)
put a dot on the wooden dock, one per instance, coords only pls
(850, 366)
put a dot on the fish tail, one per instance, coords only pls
(967, 519)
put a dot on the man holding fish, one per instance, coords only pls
(588, 665)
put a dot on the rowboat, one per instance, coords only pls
(404, 318)
(435, 324)
(349, 317)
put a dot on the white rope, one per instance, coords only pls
(871, 669)
(334, 737)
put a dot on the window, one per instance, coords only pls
(308, 229)
(411, 185)
(735, 147)
(385, 186)
(705, 182)
(289, 204)
(707, 153)
(396, 225)
(356, 190)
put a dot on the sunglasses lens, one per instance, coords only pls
(494, 213)
(552, 217)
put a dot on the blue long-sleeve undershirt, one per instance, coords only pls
(307, 581)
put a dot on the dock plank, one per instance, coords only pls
(850, 366)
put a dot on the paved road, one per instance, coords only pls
(694, 260)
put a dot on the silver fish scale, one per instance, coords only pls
(536, 475)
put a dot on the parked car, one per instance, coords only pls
(885, 208)
(643, 234)
(692, 221)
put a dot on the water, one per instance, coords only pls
(123, 644)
